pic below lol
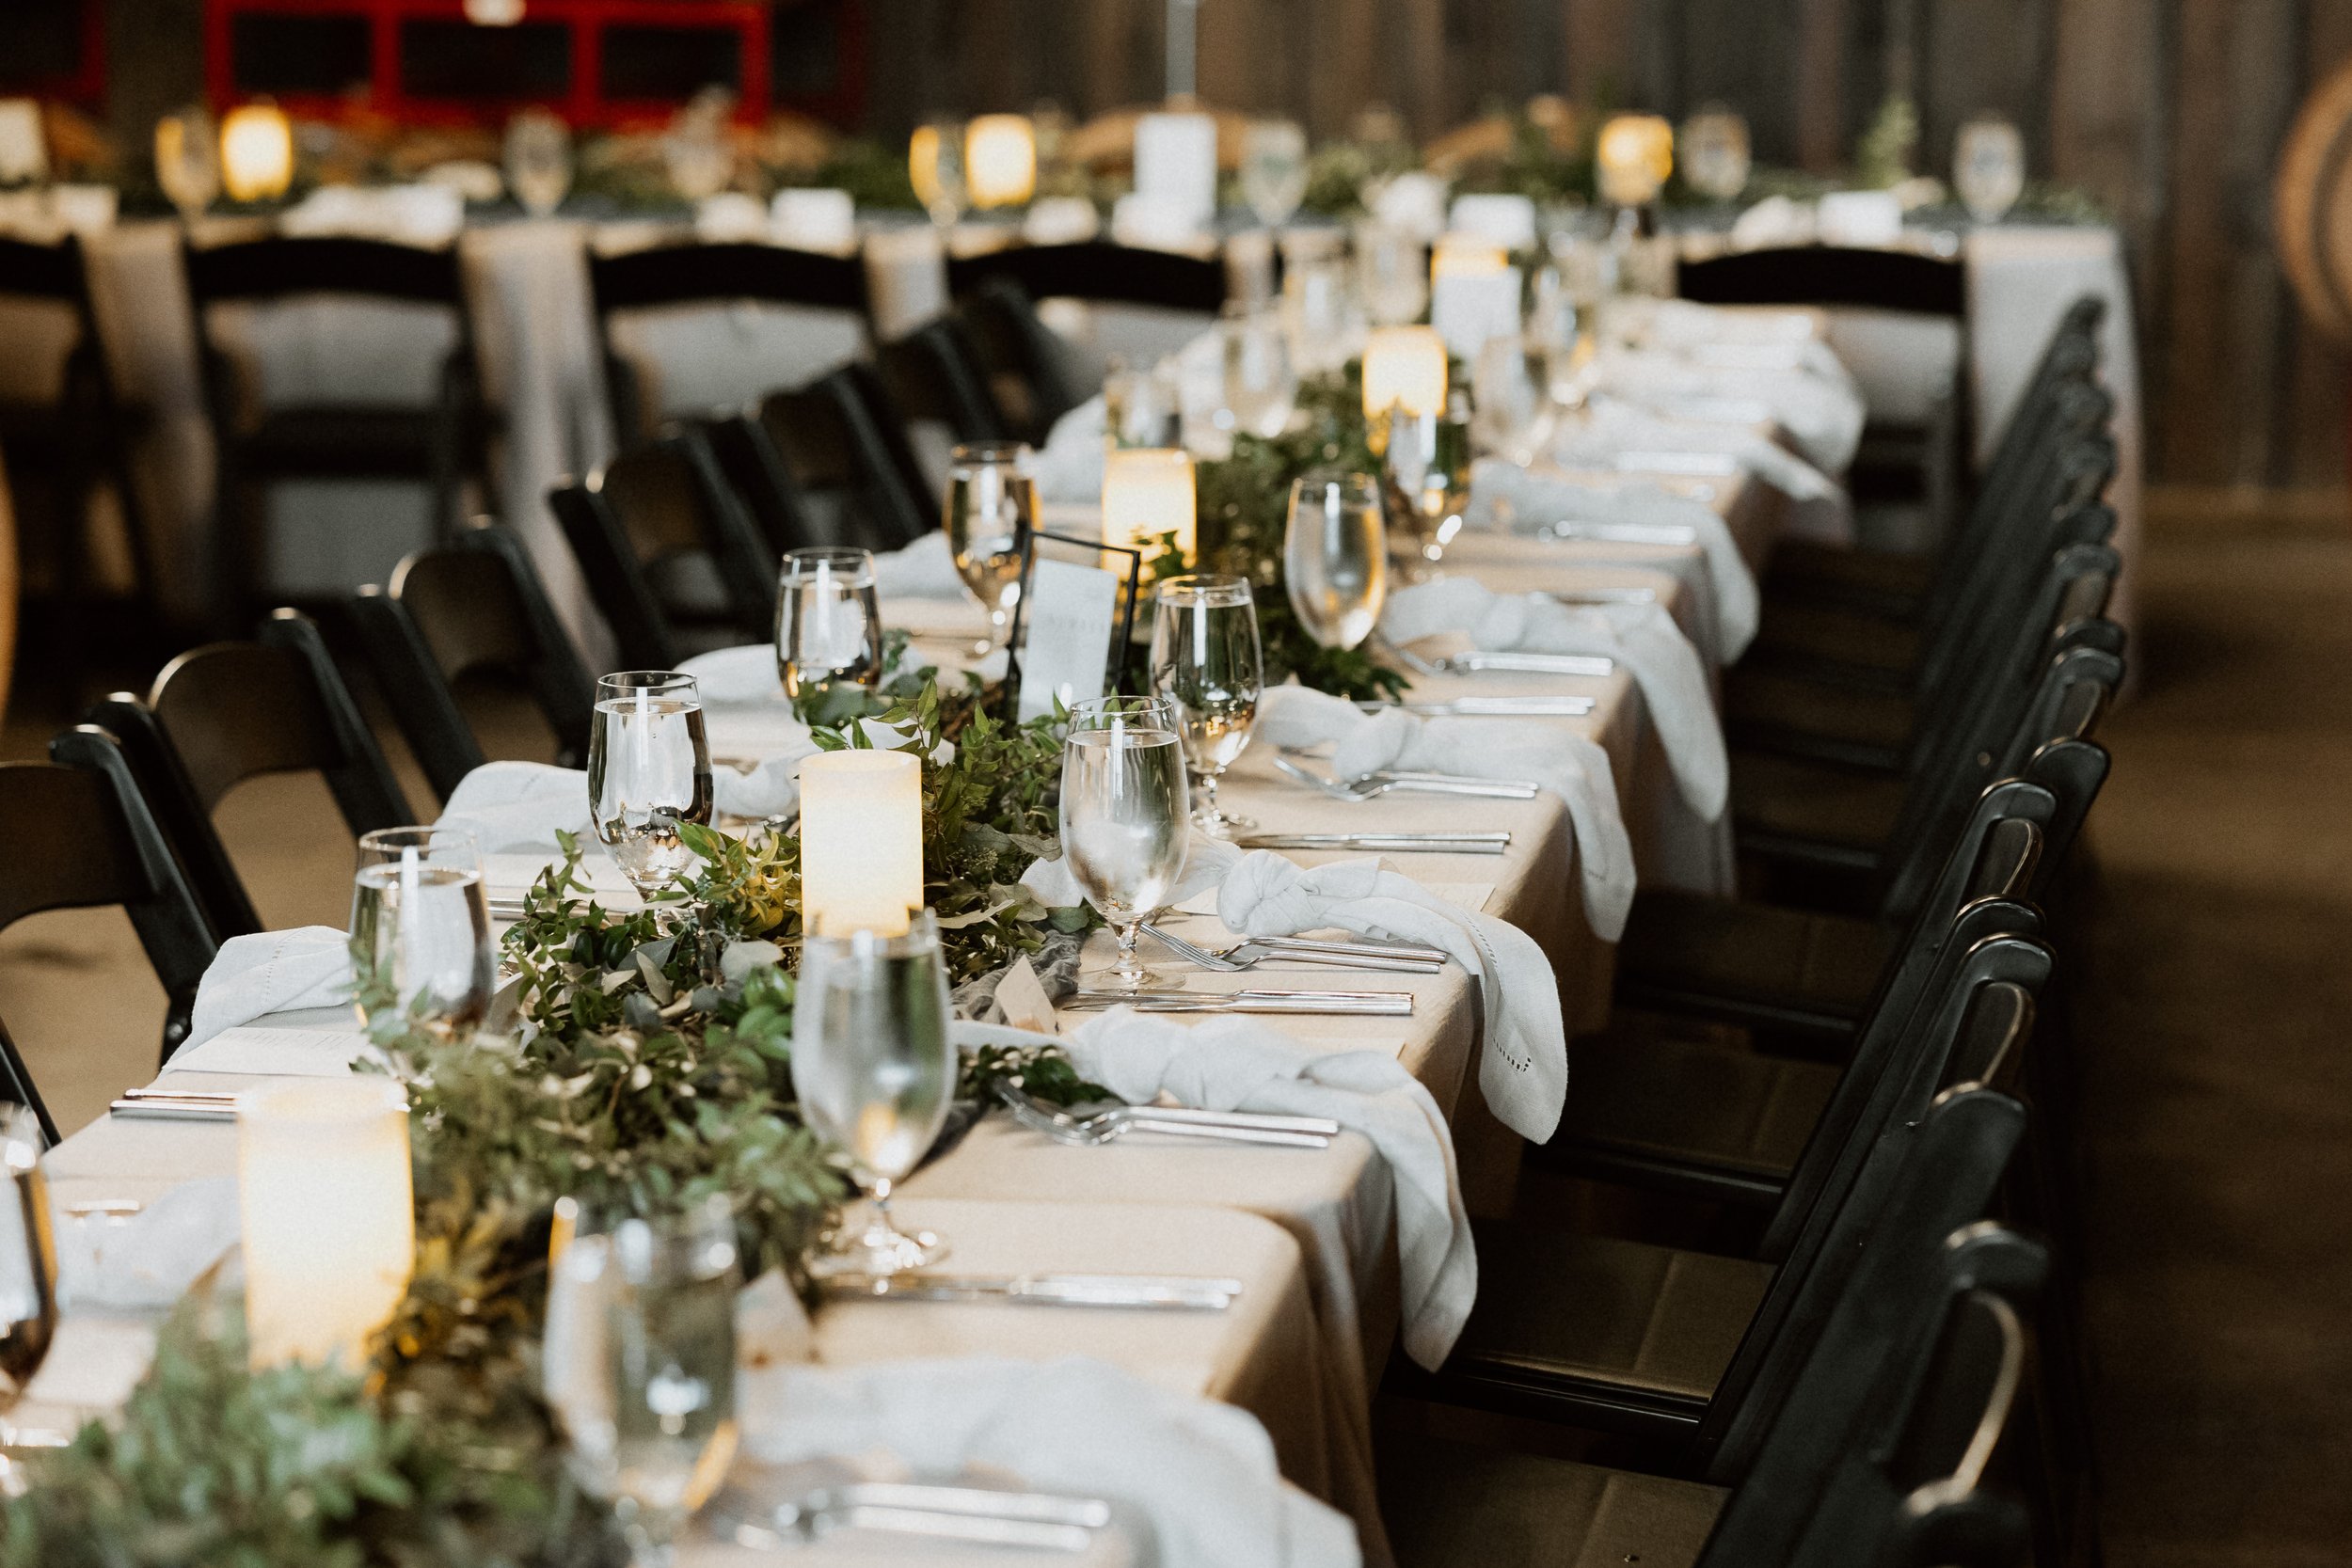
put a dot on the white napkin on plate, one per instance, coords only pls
(1613, 434)
(271, 971)
(1241, 1064)
(1642, 637)
(924, 570)
(1523, 1070)
(1575, 769)
(1069, 469)
(149, 1260)
(1203, 1472)
(1507, 496)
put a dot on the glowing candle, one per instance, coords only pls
(1000, 160)
(861, 841)
(1635, 154)
(1403, 368)
(328, 1216)
(255, 153)
(1147, 492)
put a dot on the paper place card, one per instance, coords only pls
(1066, 635)
(279, 1052)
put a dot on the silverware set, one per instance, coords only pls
(1174, 1292)
(1405, 957)
(1483, 661)
(1431, 843)
(1491, 708)
(1350, 1004)
(1104, 1127)
(1371, 786)
(152, 1104)
(1027, 1521)
(1575, 531)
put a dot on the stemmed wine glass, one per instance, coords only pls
(1391, 274)
(875, 1068)
(419, 931)
(991, 506)
(1989, 167)
(1123, 815)
(1335, 556)
(28, 1271)
(828, 623)
(648, 771)
(640, 1352)
(696, 151)
(1428, 465)
(538, 157)
(187, 160)
(1260, 387)
(1512, 411)
(1274, 169)
(1207, 662)
(1715, 156)
(936, 167)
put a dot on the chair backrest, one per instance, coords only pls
(57, 274)
(283, 265)
(828, 464)
(98, 845)
(1830, 275)
(1027, 361)
(937, 372)
(221, 714)
(474, 606)
(1098, 270)
(668, 549)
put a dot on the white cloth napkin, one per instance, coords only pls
(149, 1260)
(271, 971)
(1523, 1070)
(520, 805)
(1611, 430)
(743, 674)
(1505, 496)
(924, 570)
(1575, 769)
(1642, 637)
(1201, 1472)
(1206, 861)
(1813, 399)
(1070, 469)
(1685, 324)
(1241, 1064)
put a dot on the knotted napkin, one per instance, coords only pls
(1069, 469)
(1611, 429)
(149, 1260)
(1641, 637)
(1809, 396)
(1241, 1064)
(1294, 719)
(1201, 1472)
(271, 971)
(924, 570)
(512, 806)
(1505, 496)
(1523, 1070)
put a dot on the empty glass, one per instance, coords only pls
(876, 1071)
(641, 1363)
(991, 506)
(187, 160)
(696, 151)
(420, 930)
(1124, 814)
(1715, 157)
(935, 163)
(1335, 556)
(1260, 387)
(28, 1268)
(1141, 408)
(1391, 274)
(1989, 167)
(828, 623)
(1511, 398)
(1206, 661)
(538, 160)
(1427, 462)
(648, 771)
(1319, 312)
(1274, 169)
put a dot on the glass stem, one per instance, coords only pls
(1129, 970)
(1208, 794)
(881, 1197)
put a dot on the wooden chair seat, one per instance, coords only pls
(1738, 1116)
(1791, 798)
(1449, 1503)
(1693, 953)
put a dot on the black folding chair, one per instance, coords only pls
(469, 609)
(674, 561)
(436, 442)
(828, 464)
(717, 275)
(227, 712)
(96, 844)
(937, 374)
(1097, 270)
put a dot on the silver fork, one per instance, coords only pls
(1479, 660)
(1104, 1127)
(1249, 954)
(1373, 785)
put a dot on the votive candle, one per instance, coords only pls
(861, 841)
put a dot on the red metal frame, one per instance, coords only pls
(88, 83)
(584, 105)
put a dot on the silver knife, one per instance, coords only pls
(1705, 465)
(1033, 1521)
(1532, 664)
(1623, 533)
(1443, 844)
(1169, 1292)
(1363, 947)
(1322, 1127)
(171, 1110)
(1493, 707)
(1368, 1004)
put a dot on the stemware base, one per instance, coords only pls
(877, 1248)
(1138, 979)
(1218, 823)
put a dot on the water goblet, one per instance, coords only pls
(1123, 815)
(1207, 662)
(1335, 556)
(991, 508)
(828, 624)
(420, 944)
(648, 773)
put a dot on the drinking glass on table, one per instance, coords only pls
(1511, 398)
(655, 1354)
(828, 623)
(1715, 156)
(1274, 169)
(187, 160)
(1207, 662)
(538, 155)
(1141, 407)
(876, 1071)
(697, 150)
(1391, 274)
(421, 931)
(1335, 556)
(648, 771)
(991, 506)
(1123, 815)
(28, 1271)
(1989, 167)
(1260, 387)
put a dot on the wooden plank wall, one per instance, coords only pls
(2169, 111)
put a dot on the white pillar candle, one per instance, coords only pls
(1403, 368)
(1000, 160)
(255, 153)
(1147, 492)
(328, 1216)
(861, 841)
(1176, 165)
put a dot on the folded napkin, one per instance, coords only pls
(1813, 400)
(1523, 1070)
(1206, 861)
(1642, 637)
(744, 674)
(1201, 1472)
(149, 1259)
(271, 971)
(1610, 428)
(924, 570)
(1070, 469)
(1686, 323)
(1507, 496)
(1241, 1064)
(1294, 719)
(520, 805)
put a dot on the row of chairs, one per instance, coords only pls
(1841, 1349)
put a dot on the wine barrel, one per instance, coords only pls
(2311, 206)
